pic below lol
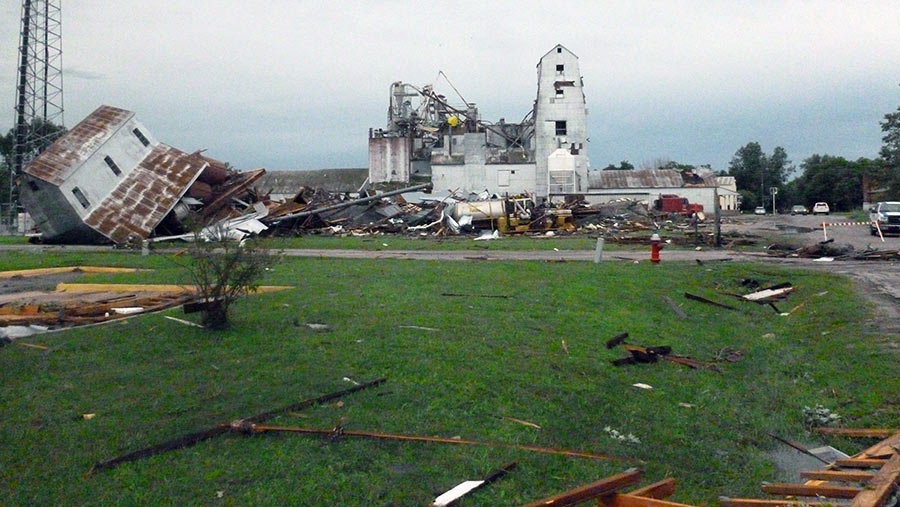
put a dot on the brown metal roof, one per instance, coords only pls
(57, 162)
(141, 200)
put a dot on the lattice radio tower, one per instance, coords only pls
(39, 90)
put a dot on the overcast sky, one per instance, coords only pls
(297, 84)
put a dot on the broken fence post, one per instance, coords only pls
(598, 251)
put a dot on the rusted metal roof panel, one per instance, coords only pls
(57, 162)
(651, 178)
(140, 202)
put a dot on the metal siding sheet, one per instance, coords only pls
(58, 161)
(140, 202)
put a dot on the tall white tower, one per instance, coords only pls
(560, 117)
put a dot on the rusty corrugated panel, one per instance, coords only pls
(140, 202)
(650, 178)
(57, 162)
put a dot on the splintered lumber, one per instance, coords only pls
(660, 489)
(593, 490)
(260, 428)
(453, 495)
(192, 439)
(768, 295)
(457, 295)
(678, 311)
(33, 346)
(64, 269)
(811, 490)
(836, 475)
(860, 463)
(882, 486)
(652, 495)
(691, 363)
(883, 449)
(724, 501)
(857, 432)
(629, 500)
(708, 301)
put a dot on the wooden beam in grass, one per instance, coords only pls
(593, 490)
(882, 486)
(837, 475)
(811, 490)
(857, 432)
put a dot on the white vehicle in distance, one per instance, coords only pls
(759, 211)
(821, 207)
(886, 215)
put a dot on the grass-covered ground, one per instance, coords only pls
(149, 379)
(391, 242)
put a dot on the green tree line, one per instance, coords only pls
(829, 178)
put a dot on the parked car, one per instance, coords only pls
(884, 215)
(759, 211)
(821, 207)
(799, 209)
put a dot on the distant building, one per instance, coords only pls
(729, 197)
(647, 185)
(427, 137)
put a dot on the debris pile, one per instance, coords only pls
(27, 309)
(829, 250)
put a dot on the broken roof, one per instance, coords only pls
(332, 180)
(648, 178)
(144, 197)
(58, 161)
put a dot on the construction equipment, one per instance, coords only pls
(512, 215)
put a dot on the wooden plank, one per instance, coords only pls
(837, 475)
(860, 463)
(42, 318)
(882, 486)
(811, 490)
(593, 490)
(66, 269)
(660, 489)
(629, 500)
(675, 308)
(707, 301)
(757, 502)
(885, 448)
(261, 428)
(857, 432)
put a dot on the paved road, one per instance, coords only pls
(807, 229)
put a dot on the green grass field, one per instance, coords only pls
(149, 379)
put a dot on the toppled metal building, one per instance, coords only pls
(544, 154)
(109, 179)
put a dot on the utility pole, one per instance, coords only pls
(774, 191)
(762, 186)
(718, 216)
(39, 89)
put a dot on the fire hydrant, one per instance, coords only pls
(655, 246)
